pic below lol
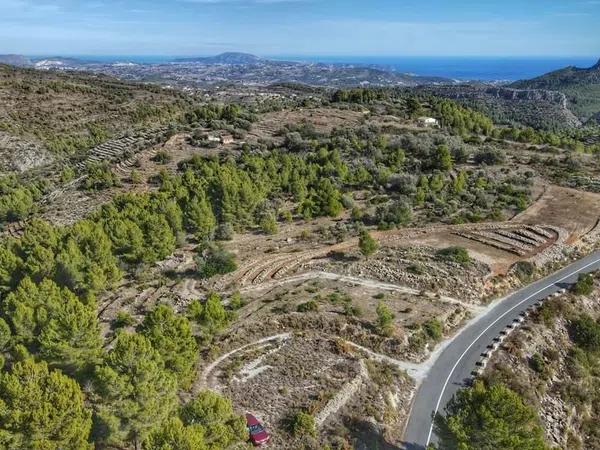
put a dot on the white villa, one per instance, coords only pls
(428, 122)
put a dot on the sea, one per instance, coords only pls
(456, 67)
(462, 67)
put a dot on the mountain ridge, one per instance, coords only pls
(581, 86)
(234, 58)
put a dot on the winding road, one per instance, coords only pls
(452, 369)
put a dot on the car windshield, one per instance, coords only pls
(257, 428)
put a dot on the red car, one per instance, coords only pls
(258, 434)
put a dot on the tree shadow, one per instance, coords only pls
(445, 439)
(366, 437)
(341, 257)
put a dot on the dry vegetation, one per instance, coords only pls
(69, 113)
(310, 334)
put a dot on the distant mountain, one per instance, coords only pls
(233, 58)
(15, 60)
(53, 62)
(59, 62)
(581, 87)
(563, 78)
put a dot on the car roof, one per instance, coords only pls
(251, 420)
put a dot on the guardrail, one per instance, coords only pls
(485, 357)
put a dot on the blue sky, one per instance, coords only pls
(301, 27)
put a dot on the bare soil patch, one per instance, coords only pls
(576, 211)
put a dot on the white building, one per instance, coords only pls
(428, 122)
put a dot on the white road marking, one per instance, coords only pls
(437, 406)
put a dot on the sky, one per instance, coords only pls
(301, 27)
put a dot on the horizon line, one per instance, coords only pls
(296, 55)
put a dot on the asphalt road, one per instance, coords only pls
(453, 368)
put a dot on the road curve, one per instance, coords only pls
(452, 370)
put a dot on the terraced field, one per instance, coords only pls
(120, 150)
(522, 240)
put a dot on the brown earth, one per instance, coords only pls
(576, 211)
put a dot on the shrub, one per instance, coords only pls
(67, 174)
(123, 320)
(268, 224)
(214, 260)
(302, 424)
(456, 254)
(100, 176)
(433, 329)
(397, 214)
(385, 320)
(367, 244)
(524, 270)
(416, 269)
(537, 364)
(586, 333)
(135, 177)
(352, 310)
(489, 156)
(584, 285)
(162, 157)
(287, 216)
(224, 232)
(309, 306)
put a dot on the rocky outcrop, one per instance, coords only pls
(19, 155)
(539, 108)
(538, 95)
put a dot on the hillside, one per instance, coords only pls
(65, 113)
(15, 60)
(581, 86)
(537, 108)
(269, 227)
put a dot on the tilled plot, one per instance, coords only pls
(521, 240)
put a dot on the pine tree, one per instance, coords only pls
(127, 239)
(199, 217)
(86, 262)
(367, 244)
(71, 337)
(442, 158)
(171, 335)
(136, 392)
(53, 320)
(174, 435)
(42, 409)
(214, 413)
(490, 418)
